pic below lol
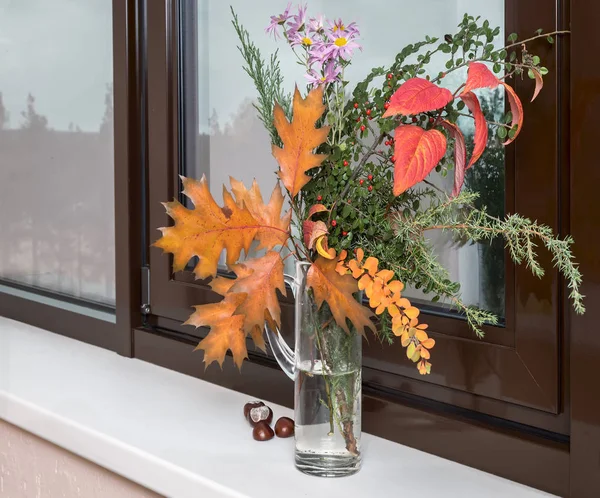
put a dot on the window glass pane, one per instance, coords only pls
(56, 147)
(229, 139)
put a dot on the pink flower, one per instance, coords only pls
(340, 45)
(317, 24)
(277, 21)
(305, 39)
(298, 22)
(338, 28)
(318, 53)
(324, 76)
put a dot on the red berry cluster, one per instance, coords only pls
(368, 113)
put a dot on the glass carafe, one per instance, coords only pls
(326, 368)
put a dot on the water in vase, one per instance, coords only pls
(327, 419)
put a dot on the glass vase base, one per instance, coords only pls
(327, 465)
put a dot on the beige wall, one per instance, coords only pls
(31, 467)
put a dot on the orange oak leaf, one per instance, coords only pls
(300, 138)
(221, 285)
(258, 337)
(312, 230)
(481, 126)
(479, 76)
(460, 155)
(259, 278)
(539, 83)
(268, 215)
(516, 109)
(417, 95)
(417, 152)
(226, 330)
(208, 229)
(328, 285)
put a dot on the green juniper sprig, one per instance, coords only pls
(521, 235)
(267, 79)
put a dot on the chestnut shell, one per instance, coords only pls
(260, 414)
(284, 427)
(262, 431)
(251, 404)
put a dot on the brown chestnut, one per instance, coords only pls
(251, 404)
(262, 431)
(260, 414)
(284, 427)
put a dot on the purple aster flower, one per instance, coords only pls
(305, 39)
(318, 53)
(277, 21)
(298, 22)
(338, 28)
(328, 75)
(341, 45)
(352, 29)
(316, 24)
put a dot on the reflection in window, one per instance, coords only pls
(232, 141)
(56, 143)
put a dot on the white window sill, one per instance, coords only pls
(183, 437)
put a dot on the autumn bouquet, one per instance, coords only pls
(357, 169)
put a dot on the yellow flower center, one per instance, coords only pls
(341, 41)
(307, 41)
(341, 28)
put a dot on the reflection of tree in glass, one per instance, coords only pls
(4, 114)
(32, 120)
(107, 120)
(56, 197)
(488, 180)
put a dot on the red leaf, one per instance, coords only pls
(417, 95)
(460, 155)
(316, 208)
(312, 231)
(481, 126)
(417, 152)
(539, 83)
(479, 76)
(516, 108)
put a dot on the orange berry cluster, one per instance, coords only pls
(384, 294)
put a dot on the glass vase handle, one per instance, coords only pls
(285, 356)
